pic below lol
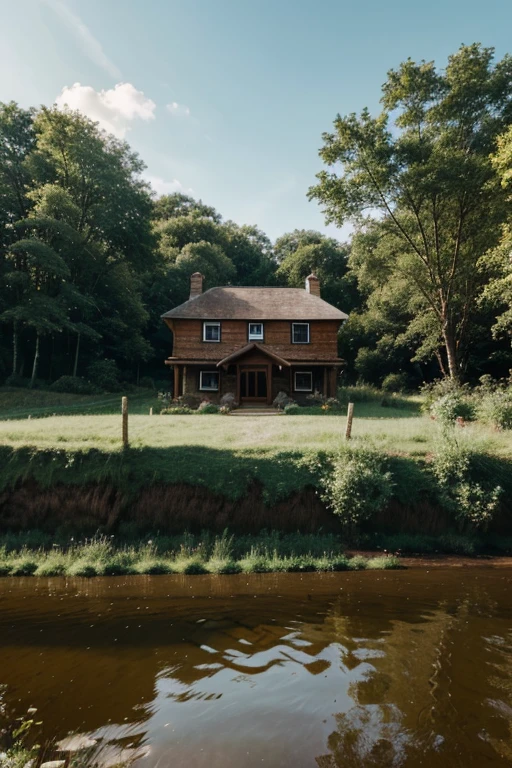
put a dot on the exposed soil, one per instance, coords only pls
(444, 561)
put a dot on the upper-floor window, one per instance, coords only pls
(211, 331)
(300, 333)
(255, 331)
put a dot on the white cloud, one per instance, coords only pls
(162, 187)
(178, 110)
(114, 109)
(90, 46)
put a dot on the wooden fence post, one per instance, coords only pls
(124, 411)
(151, 411)
(350, 416)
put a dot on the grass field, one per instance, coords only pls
(83, 422)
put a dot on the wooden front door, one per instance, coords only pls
(253, 384)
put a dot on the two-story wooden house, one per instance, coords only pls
(254, 342)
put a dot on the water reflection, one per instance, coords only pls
(348, 670)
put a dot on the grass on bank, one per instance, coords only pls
(101, 556)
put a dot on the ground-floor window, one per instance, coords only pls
(209, 381)
(303, 381)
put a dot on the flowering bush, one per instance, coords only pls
(207, 407)
(176, 410)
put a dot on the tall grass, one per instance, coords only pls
(102, 556)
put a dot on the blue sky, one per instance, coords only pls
(227, 99)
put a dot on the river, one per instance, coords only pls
(396, 668)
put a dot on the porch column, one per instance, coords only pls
(325, 382)
(269, 384)
(176, 388)
(333, 382)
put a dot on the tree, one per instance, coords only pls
(251, 252)
(498, 293)
(304, 251)
(177, 205)
(422, 168)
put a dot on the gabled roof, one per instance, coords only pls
(254, 345)
(236, 303)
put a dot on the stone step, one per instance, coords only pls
(255, 412)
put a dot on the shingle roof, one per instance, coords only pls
(235, 303)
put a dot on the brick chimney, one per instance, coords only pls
(196, 285)
(313, 284)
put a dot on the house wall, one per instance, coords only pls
(190, 382)
(189, 344)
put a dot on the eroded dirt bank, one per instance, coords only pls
(176, 508)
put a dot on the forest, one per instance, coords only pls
(90, 258)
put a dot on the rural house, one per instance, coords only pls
(254, 342)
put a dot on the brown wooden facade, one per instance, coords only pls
(255, 371)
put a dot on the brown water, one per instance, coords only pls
(410, 668)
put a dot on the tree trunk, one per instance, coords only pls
(449, 343)
(36, 361)
(77, 350)
(15, 348)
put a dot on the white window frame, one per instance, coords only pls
(256, 336)
(293, 333)
(208, 324)
(302, 389)
(209, 389)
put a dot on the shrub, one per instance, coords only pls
(15, 380)
(454, 466)
(292, 409)
(176, 410)
(316, 397)
(146, 382)
(191, 566)
(51, 567)
(358, 486)
(105, 375)
(190, 401)
(82, 568)
(153, 567)
(228, 401)
(384, 562)
(357, 563)
(223, 566)
(360, 393)
(395, 382)
(281, 400)
(496, 408)
(437, 389)
(23, 566)
(74, 385)
(207, 407)
(448, 408)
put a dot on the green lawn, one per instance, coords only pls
(21, 403)
(395, 430)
